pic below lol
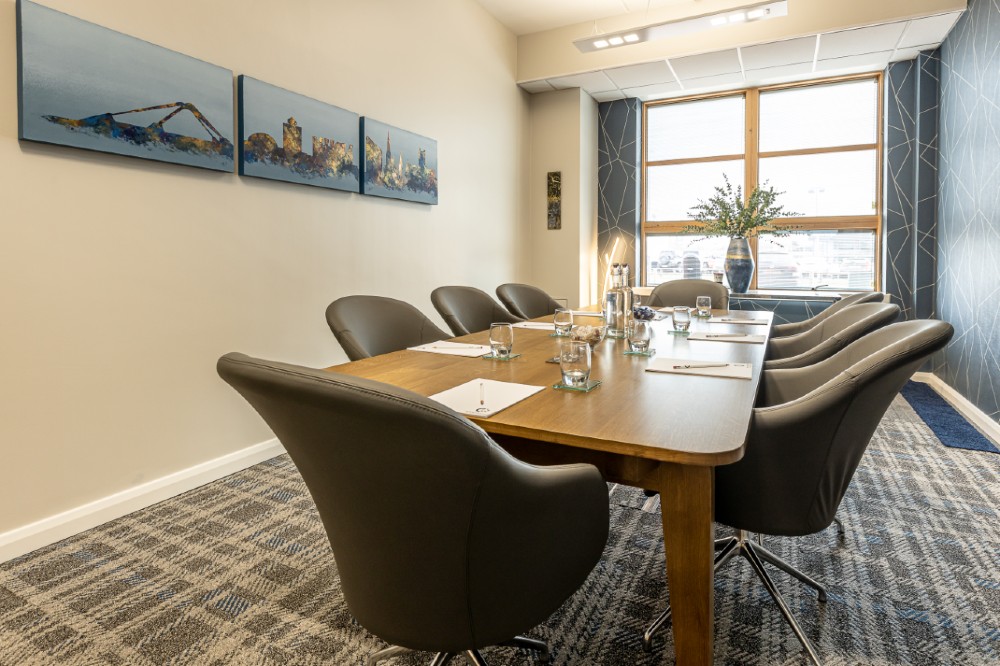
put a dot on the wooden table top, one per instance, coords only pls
(667, 417)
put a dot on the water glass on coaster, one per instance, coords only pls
(501, 341)
(639, 333)
(563, 320)
(704, 305)
(574, 362)
(682, 319)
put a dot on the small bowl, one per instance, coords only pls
(592, 335)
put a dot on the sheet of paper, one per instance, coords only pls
(733, 320)
(728, 337)
(453, 348)
(484, 397)
(718, 369)
(669, 309)
(586, 313)
(535, 325)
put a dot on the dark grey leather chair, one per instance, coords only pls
(468, 310)
(792, 328)
(443, 541)
(684, 292)
(829, 336)
(367, 326)
(805, 443)
(526, 301)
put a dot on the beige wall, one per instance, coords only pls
(122, 281)
(564, 138)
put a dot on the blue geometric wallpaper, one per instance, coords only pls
(619, 155)
(968, 239)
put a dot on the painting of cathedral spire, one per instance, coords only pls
(398, 164)
(287, 136)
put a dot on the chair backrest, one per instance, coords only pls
(431, 523)
(801, 454)
(781, 330)
(526, 301)
(468, 310)
(684, 292)
(371, 325)
(829, 336)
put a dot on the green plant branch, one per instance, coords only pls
(727, 214)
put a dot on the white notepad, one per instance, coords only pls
(586, 313)
(732, 320)
(535, 325)
(728, 337)
(453, 348)
(484, 397)
(676, 366)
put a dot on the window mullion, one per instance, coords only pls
(751, 161)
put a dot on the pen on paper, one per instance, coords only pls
(482, 394)
(457, 346)
(726, 335)
(700, 365)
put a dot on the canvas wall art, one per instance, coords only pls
(398, 164)
(553, 196)
(86, 86)
(290, 137)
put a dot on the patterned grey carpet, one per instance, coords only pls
(239, 572)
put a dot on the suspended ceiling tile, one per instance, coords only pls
(644, 92)
(932, 29)
(788, 52)
(591, 82)
(705, 83)
(911, 53)
(645, 74)
(706, 64)
(609, 96)
(536, 86)
(779, 74)
(872, 39)
(864, 62)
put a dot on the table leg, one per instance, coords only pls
(687, 507)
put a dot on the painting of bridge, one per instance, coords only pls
(85, 86)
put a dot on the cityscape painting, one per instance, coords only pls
(272, 123)
(398, 164)
(86, 86)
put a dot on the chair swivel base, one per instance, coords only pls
(473, 656)
(756, 555)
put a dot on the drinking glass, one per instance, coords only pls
(501, 339)
(563, 320)
(574, 361)
(682, 318)
(638, 335)
(704, 305)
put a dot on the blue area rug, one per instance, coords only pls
(948, 425)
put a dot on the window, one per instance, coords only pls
(817, 142)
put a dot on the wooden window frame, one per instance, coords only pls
(751, 164)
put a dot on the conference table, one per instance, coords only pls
(658, 431)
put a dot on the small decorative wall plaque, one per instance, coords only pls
(554, 197)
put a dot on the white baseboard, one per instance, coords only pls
(62, 525)
(975, 416)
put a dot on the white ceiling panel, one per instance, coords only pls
(930, 30)
(591, 82)
(864, 62)
(536, 86)
(706, 64)
(779, 74)
(911, 53)
(641, 75)
(608, 96)
(705, 83)
(788, 52)
(644, 92)
(872, 39)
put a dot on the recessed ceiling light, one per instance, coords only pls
(631, 38)
(719, 20)
(601, 43)
(616, 41)
(756, 14)
(738, 17)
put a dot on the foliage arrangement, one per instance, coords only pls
(726, 214)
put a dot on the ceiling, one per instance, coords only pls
(862, 49)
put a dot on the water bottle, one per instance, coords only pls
(613, 304)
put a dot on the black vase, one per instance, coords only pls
(739, 265)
